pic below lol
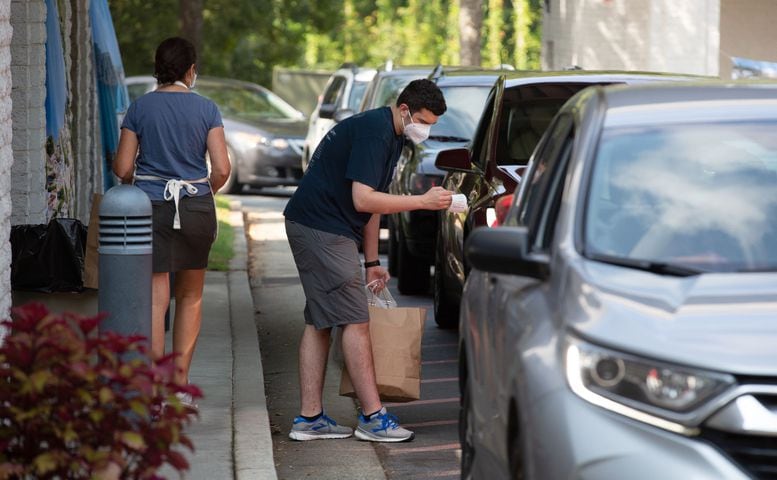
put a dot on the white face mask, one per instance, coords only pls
(416, 132)
(194, 80)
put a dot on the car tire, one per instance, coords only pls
(412, 272)
(446, 310)
(392, 248)
(232, 184)
(466, 435)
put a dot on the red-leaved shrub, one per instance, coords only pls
(78, 404)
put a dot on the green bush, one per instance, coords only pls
(75, 403)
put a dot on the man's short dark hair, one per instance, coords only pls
(423, 93)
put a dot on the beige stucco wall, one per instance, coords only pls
(747, 29)
(653, 35)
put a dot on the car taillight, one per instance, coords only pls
(420, 183)
(501, 207)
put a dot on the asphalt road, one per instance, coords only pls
(434, 454)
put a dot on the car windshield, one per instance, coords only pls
(247, 103)
(702, 196)
(389, 87)
(465, 104)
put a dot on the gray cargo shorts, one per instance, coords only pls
(331, 276)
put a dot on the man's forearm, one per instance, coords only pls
(384, 203)
(371, 238)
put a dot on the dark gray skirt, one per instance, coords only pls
(189, 247)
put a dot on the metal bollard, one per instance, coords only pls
(125, 269)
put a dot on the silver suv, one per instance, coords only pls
(341, 98)
(622, 324)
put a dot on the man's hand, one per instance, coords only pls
(381, 275)
(436, 198)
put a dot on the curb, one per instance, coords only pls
(252, 441)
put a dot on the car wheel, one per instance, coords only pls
(446, 310)
(466, 434)
(232, 184)
(392, 248)
(412, 272)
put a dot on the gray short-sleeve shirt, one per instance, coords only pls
(172, 128)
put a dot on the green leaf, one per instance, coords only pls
(96, 415)
(45, 462)
(106, 395)
(40, 380)
(133, 440)
(139, 407)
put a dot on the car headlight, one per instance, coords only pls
(279, 143)
(248, 140)
(650, 391)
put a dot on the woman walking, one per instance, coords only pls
(164, 138)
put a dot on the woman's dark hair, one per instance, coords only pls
(423, 93)
(174, 56)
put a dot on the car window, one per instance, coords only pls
(546, 226)
(538, 180)
(357, 94)
(694, 195)
(247, 103)
(480, 143)
(526, 113)
(465, 104)
(334, 91)
(137, 89)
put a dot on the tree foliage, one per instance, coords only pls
(246, 38)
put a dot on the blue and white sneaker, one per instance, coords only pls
(382, 427)
(321, 428)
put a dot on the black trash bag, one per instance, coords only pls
(48, 258)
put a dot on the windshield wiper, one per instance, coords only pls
(448, 138)
(661, 268)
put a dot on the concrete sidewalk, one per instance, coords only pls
(232, 434)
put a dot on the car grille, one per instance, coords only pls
(755, 454)
(296, 145)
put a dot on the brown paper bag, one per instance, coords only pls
(396, 350)
(92, 241)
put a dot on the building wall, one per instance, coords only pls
(6, 156)
(87, 153)
(747, 30)
(28, 72)
(652, 35)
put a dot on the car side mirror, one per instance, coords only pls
(505, 250)
(454, 160)
(327, 110)
(342, 114)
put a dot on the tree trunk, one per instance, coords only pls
(470, 24)
(191, 23)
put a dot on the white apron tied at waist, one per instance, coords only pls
(173, 192)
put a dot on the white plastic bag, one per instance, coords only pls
(381, 299)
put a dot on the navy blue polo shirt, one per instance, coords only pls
(363, 148)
